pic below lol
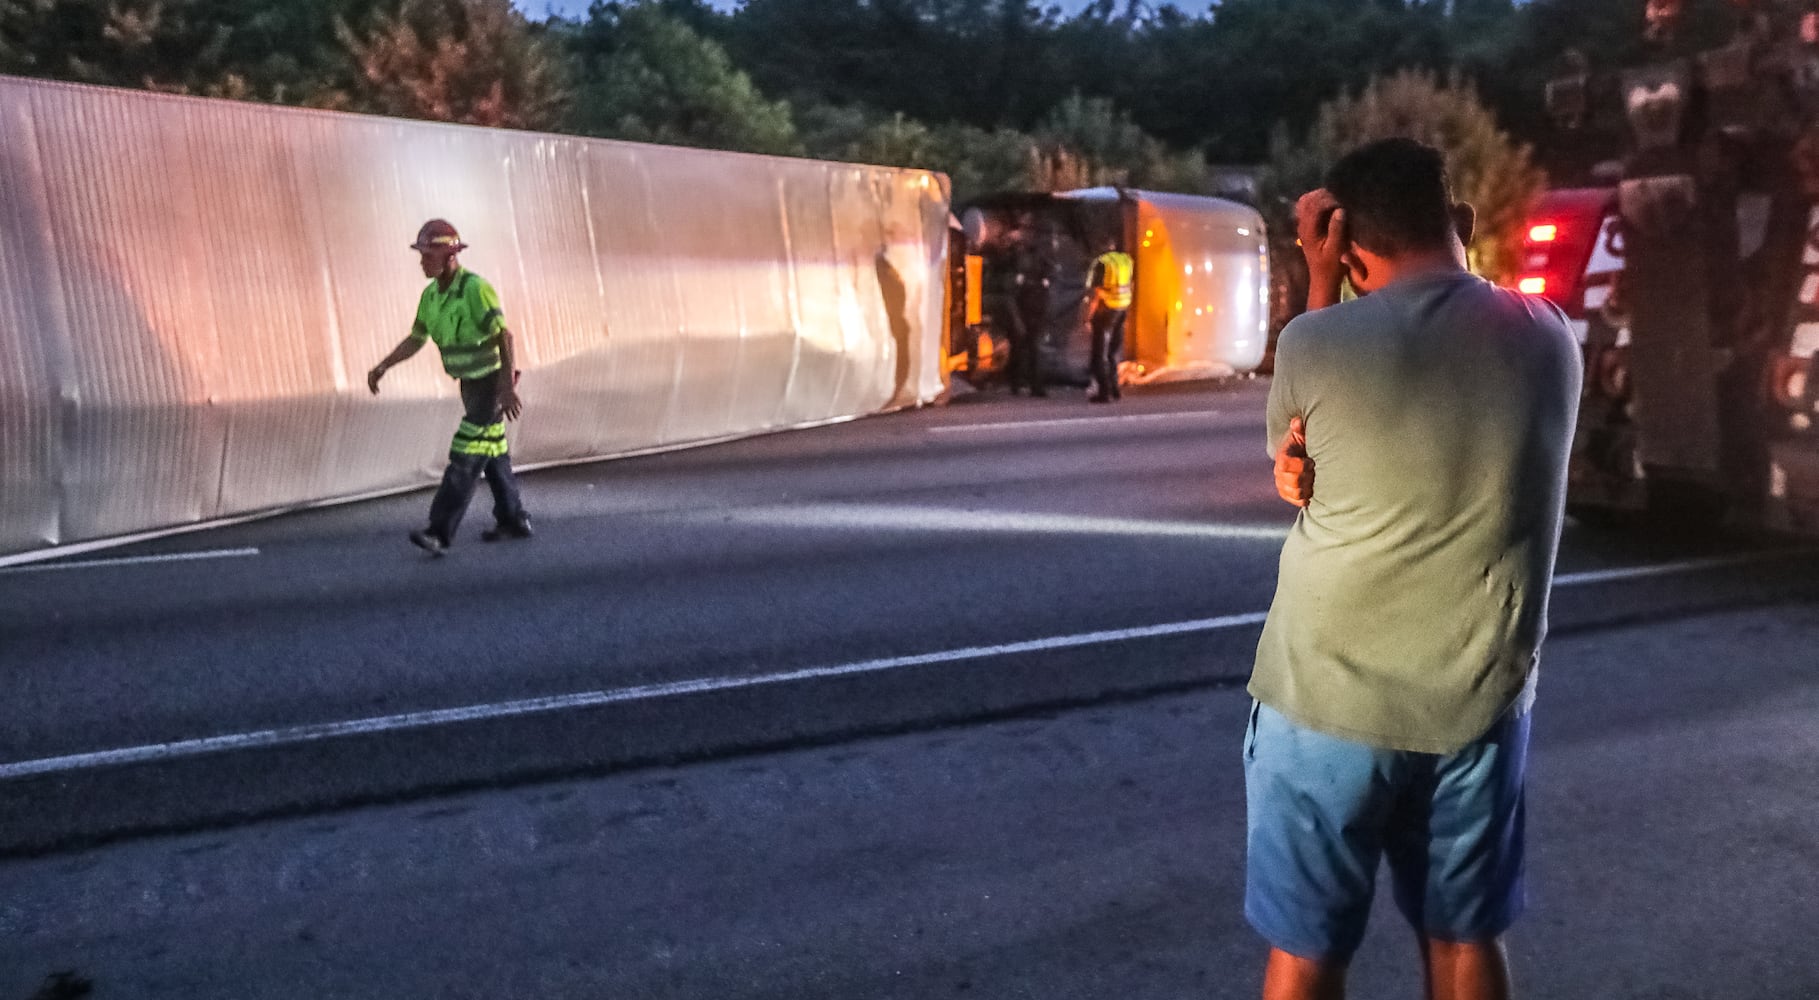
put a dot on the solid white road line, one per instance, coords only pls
(1011, 425)
(886, 517)
(291, 735)
(535, 706)
(133, 560)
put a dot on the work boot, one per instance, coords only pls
(430, 542)
(508, 531)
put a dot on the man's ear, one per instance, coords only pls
(1465, 221)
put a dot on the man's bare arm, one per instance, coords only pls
(509, 403)
(407, 347)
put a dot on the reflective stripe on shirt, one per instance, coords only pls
(464, 322)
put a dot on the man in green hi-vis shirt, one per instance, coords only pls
(460, 312)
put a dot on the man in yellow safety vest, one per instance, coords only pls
(459, 311)
(1110, 286)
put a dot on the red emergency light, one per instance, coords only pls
(1557, 244)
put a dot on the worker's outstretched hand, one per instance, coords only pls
(1294, 470)
(373, 377)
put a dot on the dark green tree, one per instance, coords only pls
(1277, 61)
(277, 50)
(989, 63)
(473, 61)
(1087, 142)
(287, 50)
(1488, 168)
(168, 44)
(646, 75)
(825, 51)
(931, 76)
(977, 161)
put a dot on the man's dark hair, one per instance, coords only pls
(1395, 195)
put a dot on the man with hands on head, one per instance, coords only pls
(1396, 671)
(460, 312)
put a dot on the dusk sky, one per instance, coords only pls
(540, 8)
(576, 8)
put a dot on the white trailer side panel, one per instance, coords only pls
(192, 291)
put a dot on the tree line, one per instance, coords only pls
(996, 93)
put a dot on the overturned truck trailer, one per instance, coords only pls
(191, 293)
(1202, 280)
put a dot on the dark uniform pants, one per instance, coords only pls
(1108, 349)
(1029, 320)
(1025, 362)
(467, 462)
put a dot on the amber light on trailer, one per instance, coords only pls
(1788, 381)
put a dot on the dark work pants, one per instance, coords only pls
(480, 403)
(1025, 366)
(1108, 349)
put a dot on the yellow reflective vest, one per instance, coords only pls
(1116, 271)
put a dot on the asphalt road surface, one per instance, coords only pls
(941, 703)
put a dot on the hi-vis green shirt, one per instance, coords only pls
(464, 324)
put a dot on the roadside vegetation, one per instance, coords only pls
(1245, 97)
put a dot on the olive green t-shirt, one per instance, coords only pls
(1412, 597)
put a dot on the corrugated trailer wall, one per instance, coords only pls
(192, 291)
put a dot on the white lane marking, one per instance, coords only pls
(1673, 568)
(885, 517)
(536, 706)
(1091, 421)
(168, 557)
(533, 706)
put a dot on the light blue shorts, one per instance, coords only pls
(1322, 812)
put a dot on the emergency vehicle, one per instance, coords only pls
(1768, 476)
